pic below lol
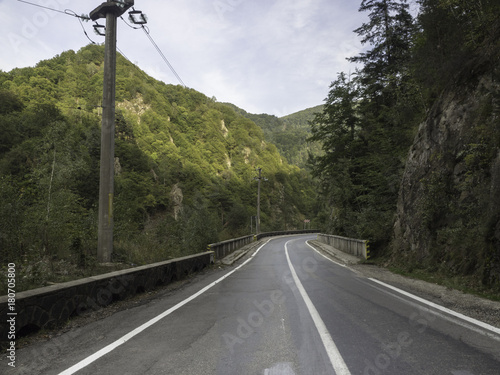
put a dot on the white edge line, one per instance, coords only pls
(324, 256)
(333, 353)
(424, 301)
(441, 308)
(87, 361)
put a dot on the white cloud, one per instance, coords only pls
(266, 56)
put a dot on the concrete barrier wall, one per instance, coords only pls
(48, 307)
(347, 245)
(224, 248)
(284, 233)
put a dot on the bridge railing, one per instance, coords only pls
(50, 306)
(288, 232)
(352, 246)
(224, 248)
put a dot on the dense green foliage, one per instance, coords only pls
(184, 169)
(456, 55)
(366, 128)
(370, 119)
(290, 134)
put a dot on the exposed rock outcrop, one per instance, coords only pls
(448, 213)
(177, 198)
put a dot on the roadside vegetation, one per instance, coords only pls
(368, 127)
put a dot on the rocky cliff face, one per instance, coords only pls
(448, 213)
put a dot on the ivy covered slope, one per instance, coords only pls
(184, 168)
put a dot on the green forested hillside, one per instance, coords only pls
(411, 140)
(184, 167)
(290, 134)
(294, 136)
(302, 118)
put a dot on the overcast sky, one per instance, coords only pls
(265, 56)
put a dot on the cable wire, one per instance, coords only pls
(129, 25)
(126, 58)
(67, 12)
(147, 32)
(163, 56)
(81, 24)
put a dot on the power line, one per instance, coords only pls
(129, 25)
(146, 30)
(134, 65)
(67, 12)
(148, 34)
(81, 24)
(163, 56)
(125, 57)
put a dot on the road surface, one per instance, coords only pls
(284, 309)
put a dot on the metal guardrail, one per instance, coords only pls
(352, 246)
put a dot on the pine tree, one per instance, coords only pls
(337, 129)
(389, 31)
(364, 127)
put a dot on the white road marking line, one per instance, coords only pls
(428, 303)
(441, 308)
(87, 361)
(324, 256)
(331, 349)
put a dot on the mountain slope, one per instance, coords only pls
(288, 133)
(184, 168)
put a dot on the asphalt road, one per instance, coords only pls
(282, 310)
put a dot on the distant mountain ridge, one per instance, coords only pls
(288, 133)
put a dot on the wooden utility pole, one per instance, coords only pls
(257, 223)
(109, 10)
(106, 184)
